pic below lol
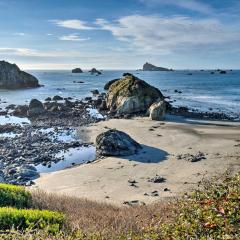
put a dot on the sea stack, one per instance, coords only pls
(77, 70)
(95, 71)
(131, 95)
(150, 67)
(11, 77)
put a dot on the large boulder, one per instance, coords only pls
(131, 95)
(11, 77)
(116, 143)
(35, 108)
(150, 67)
(157, 111)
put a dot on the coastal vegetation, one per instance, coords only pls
(209, 213)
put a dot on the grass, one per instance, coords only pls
(14, 196)
(207, 214)
(104, 220)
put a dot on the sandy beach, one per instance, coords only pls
(107, 180)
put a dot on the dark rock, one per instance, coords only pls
(95, 71)
(28, 172)
(88, 98)
(222, 72)
(57, 98)
(192, 158)
(108, 84)
(78, 82)
(20, 111)
(68, 103)
(103, 106)
(77, 70)
(127, 74)
(149, 67)
(11, 77)
(35, 108)
(48, 99)
(116, 143)
(95, 92)
(157, 179)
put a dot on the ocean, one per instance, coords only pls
(201, 90)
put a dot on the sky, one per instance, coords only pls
(114, 34)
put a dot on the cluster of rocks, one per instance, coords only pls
(92, 71)
(31, 146)
(58, 111)
(191, 157)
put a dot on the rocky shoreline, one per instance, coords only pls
(26, 145)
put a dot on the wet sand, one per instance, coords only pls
(107, 180)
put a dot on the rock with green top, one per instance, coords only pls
(131, 95)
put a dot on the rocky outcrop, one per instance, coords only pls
(77, 70)
(108, 84)
(131, 95)
(116, 143)
(150, 67)
(11, 77)
(157, 111)
(35, 108)
(95, 71)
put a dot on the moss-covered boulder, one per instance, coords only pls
(131, 95)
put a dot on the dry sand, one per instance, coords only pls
(106, 180)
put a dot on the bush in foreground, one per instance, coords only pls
(21, 219)
(212, 213)
(14, 196)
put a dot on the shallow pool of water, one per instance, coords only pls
(73, 156)
(13, 120)
(61, 135)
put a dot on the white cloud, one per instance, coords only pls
(20, 34)
(73, 37)
(72, 24)
(192, 5)
(26, 52)
(166, 34)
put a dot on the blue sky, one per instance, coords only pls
(107, 34)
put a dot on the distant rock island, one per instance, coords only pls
(95, 71)
(150, 67)
(11, 77)
(77, 70)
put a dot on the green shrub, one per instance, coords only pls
(14, 196)
(22, 219)
(212, 213)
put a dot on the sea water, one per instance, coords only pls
(201, 90)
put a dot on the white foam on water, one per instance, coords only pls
(73, 156)
(95, 113)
